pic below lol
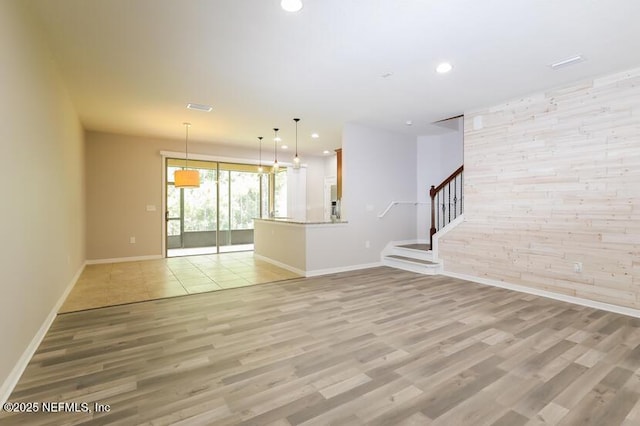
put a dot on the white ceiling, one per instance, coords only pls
(131, 66)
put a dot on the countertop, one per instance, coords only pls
(299, 222)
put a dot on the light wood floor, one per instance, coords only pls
(379, 347)
(126, 282)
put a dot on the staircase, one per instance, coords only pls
(415, 257)
(446, 201)
(446, 213)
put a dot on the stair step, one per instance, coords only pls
(412, 260)
(411, 256)
(424, 247)
(420, 266)
(411, 251)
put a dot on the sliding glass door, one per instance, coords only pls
(192, 214)
(218, 216)
(240, 200)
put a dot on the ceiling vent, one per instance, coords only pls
(200, 107)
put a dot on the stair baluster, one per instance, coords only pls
(447, 207)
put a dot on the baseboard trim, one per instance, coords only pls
(12, 380)
(318, 272)
(279, 264)
(125, 259)
(548, 294)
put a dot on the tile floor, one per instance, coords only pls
(117, 283)
(208, 250)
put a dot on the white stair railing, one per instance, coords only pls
(395, 203)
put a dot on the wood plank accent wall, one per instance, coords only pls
(550, 180)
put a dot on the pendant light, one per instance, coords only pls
(260, 168)
(276, 166)
(296, 159)
(186, 178)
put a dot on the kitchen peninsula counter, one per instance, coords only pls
(303, 247)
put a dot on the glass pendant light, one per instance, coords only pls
(260, 168)
(276, 139)
(186, 178)
(296, 159)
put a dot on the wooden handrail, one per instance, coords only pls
(434, 190)
(432, 193)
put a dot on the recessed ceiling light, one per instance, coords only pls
(409, 123)
(200, 107)
(284, 147)
(444, 68)
(325, 152)
(386, 75)
(568, 61)
(315, 135)
(291, 5)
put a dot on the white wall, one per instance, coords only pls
(297, 193)
(316, 172)
(331, 165)
(378, 167)
(42, 175)
(270, 237)
(438, 157)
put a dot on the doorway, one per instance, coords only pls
(218, 216)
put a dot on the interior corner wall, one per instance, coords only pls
(378, 168)
(41, 144)
(437, 157)
(552, 182)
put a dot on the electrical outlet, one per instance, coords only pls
(132, 240)
(367, 244)
(577, 267)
